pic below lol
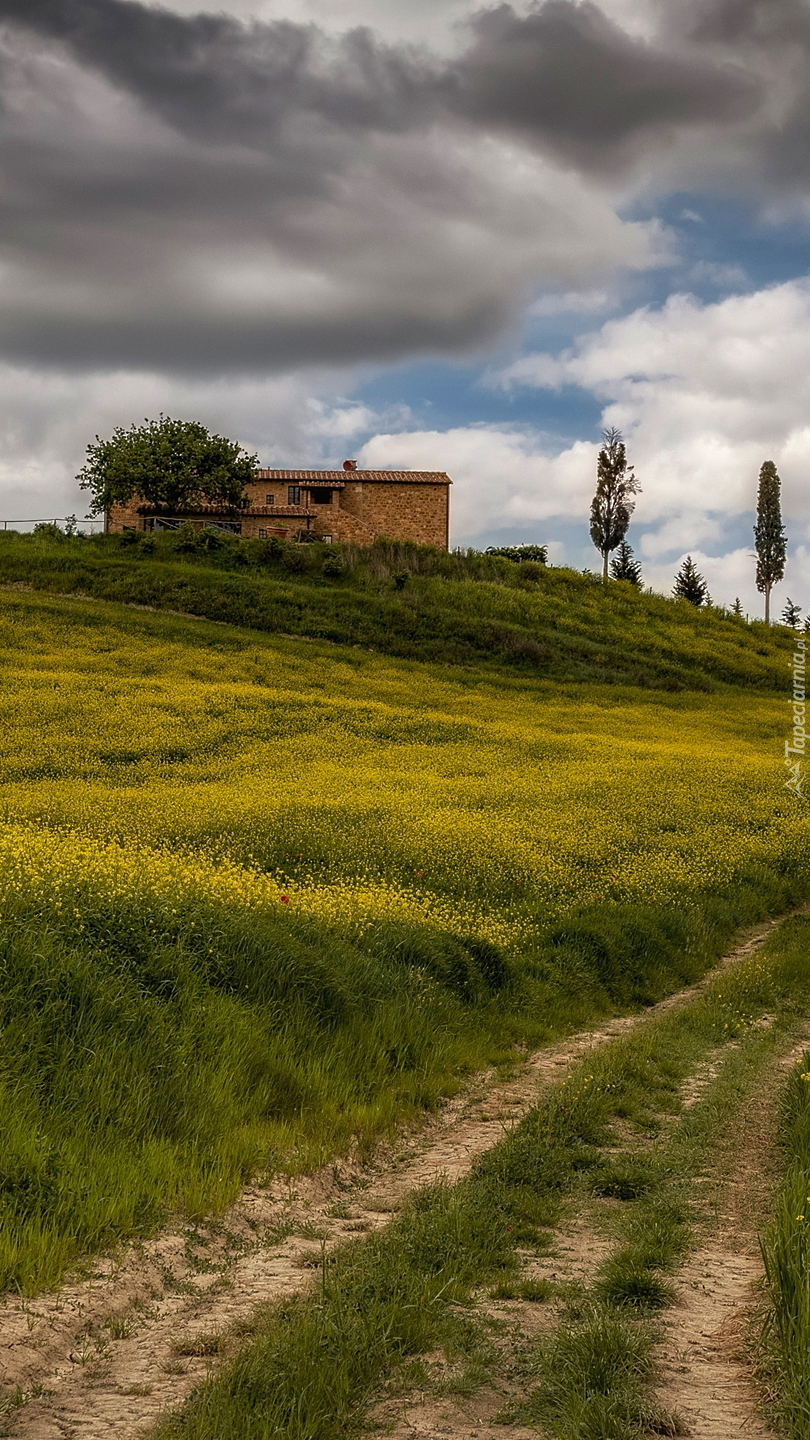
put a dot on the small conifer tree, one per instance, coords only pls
(736, 608)
(769, 535)
(791, 613)
(624, 566)
(612, 505)
(690, 584)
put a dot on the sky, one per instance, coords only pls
(442, 235)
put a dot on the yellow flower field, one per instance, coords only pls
(242, 772)
(264, 897)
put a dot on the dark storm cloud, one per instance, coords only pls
(568, 76)
(760, 22)
(194, 192)
(772, 37)
(218, 77)
(564, 74)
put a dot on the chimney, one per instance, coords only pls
(349, 464)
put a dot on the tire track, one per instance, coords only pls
(106, 1356)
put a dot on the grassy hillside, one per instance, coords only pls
(263, 893)
(418, 603)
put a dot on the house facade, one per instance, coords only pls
(331, 505)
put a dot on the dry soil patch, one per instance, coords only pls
(707, 1379)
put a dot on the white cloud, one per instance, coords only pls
(46, 422)
(733, 574)
(704, 394)
(727, 576)
(712, 272)
(572, 302)
(502, 477)
(688, 528)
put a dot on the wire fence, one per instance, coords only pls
(68, 523)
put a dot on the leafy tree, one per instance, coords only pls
(520, 552)
(612, 505)
(791, 613)
(690, 584)
(623, 566)
(736, 608)
(172, 464)
(769, 535)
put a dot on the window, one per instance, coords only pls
(327, 539)
(322, 497)
(269, 499)
(262, 534)
(293, 494)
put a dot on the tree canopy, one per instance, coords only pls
(612, 505)
(769, 534)
(520, 552)
(172, 464)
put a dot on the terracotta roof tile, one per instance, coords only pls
(376, 477)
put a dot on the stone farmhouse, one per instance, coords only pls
(330, 505)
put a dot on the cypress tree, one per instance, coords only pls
(612, 505)
(769, 535)
(690, 585)
(624, 566)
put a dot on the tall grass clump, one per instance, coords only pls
(146, 1070)
(594, 1379)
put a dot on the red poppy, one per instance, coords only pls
(285, 899)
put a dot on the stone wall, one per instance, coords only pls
(363, 510)
(401, 511)
(124, 517)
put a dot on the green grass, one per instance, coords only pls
(786, 1248)
(535, 1291)
(143, 1074)
(459, 610)
(315, 1363)
(594, 1379)
(266, 898)
(594, 1375)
